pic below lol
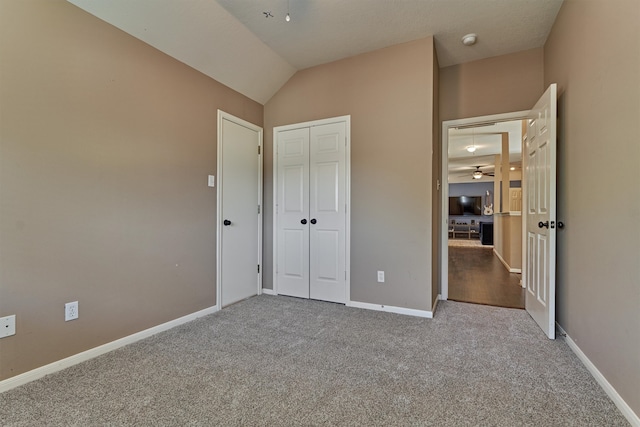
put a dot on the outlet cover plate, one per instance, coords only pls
(7, 326)
(71, 311)
(380, 276)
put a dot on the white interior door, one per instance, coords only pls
(292, 210)
(327, 212)
(239, 189)
(540, 189)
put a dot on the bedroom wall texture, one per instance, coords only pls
(105, 148)
(593, 53)
(501, 84)
(389, 95)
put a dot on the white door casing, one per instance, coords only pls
(540, 190)
(444, 188)
(311, 221)
(239, 202)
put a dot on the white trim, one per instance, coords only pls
(391, 309)
(511, 270)
(444, 179)
(274, 212)
(626, 410)
(67, 362)
(510, 213)
(222, 115)
(341, 119)
(313, 123)
(267, 291)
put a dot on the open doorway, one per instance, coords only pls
(482, 208)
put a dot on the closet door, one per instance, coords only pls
(292, 210)
(327, 212)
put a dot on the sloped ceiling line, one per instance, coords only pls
(232, 41)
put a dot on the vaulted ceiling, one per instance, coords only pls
(237, 44)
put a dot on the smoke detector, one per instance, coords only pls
(469, 39)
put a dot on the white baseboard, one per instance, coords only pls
(268, 291)
(511, 269)
(626, 410)
(59, 365)
(391, 309)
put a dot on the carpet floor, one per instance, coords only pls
(271, 361)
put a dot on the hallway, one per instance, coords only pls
(477, 276)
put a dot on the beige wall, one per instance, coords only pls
(489, 86)
(389, 95)
(105, 147)
(507, 242)
(593, 53)
(436, 198)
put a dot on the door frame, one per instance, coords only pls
(347, 121)
(444, 201)
(219, 188)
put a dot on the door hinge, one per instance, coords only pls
(258, 268)
(258, 149)
(258, 208)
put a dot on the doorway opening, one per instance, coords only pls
(482, 210)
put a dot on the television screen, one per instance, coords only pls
(465, 205)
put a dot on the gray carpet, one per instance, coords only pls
(271, 361)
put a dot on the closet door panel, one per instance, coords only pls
(327, 210)
(293, 213)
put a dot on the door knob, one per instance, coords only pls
(304, 221)
(313, 221)
(543, 224)
(226, 222)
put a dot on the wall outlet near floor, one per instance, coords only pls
(70, 311)
(7, 326)
(380, 276)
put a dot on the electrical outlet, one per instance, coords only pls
(70, 311)
(380, 276)
(7, 326)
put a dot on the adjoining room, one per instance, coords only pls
(484, 206)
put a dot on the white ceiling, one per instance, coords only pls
(488, 143)
(232, 41)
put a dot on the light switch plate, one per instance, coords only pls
(212, 181)
(7, 326)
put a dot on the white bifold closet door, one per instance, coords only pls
(311, 212)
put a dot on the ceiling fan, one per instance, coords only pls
(478, 174)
